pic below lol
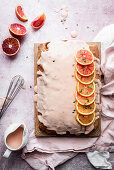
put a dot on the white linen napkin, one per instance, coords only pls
(99, 159)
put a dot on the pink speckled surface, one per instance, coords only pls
(93, 14)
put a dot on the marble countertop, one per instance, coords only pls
(85, 16)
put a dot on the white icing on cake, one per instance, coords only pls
(56, 87)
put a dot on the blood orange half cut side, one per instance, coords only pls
(10, 46)
(86, 70)
(20, 14)
(84, 100)
(84, 57)
(38, 21)
(17, 29)
(85, 79)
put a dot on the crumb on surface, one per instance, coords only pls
(73, 34)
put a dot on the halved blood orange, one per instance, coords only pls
(85, 120)
(84, 100)
(86, 70)
(84, 89)
(85, 79)
(17, 29)
(20, 14)
(85, 110)
(38, 21)
(84, 57)
(10, 46)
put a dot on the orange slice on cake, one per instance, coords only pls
(85, 79)
(85, 90)
(85, 70)
(84, 100)
(85, 110)
(84, 57)
(85, 120)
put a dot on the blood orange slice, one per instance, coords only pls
(86, 70)
(10, 46)
(17, 29)
(20, 14)
(85, 79)
(85, 110)
(84, 57)
(38, 21)
(84, 100)
(85, 90)
(85, 120)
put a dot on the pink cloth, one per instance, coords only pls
(48, 152)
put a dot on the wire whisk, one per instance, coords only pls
(15, 85)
